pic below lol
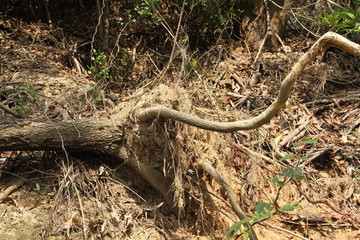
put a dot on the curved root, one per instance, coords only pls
(329, 39)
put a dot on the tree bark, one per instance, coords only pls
(101, 136)
(257, 20)
(103, 25)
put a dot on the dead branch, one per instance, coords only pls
(14, 185)
(328, 40)
(294, 133)
(325, 201)
(9, 110)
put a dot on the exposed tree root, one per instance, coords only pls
(328, 40)
(154, 177)
(208, 167)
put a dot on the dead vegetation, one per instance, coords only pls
(73, 195)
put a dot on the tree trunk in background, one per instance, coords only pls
(254, 22)
(102, 14)
(106, 24)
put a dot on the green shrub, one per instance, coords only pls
(343, 20)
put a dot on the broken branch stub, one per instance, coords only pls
(328, 40)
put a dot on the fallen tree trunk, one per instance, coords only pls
(101, 136)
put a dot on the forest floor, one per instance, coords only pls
(49, 195)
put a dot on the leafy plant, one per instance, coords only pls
(98, 65)
(192, 64)
(343, 20)
(95, 93)
(264, 210)
(216, 14)
(145, 13)
(21, 96)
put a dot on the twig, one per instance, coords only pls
(335, 4)
(285, 48)
(255, 154)
(172, 55)
(48, 16)
(316, 224)
(284, 230)
(125, 186)
(207, 166)
(234, 95)
(342, 97)
(308, 30)
(326, 202)
(12, 112)
(82, 212)
(353, 126)
(97, 25)
(268, 30)
(12, 187)
(294, 133)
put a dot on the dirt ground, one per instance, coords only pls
(48, 195)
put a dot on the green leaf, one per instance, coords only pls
(277, 181)
(246, 220)
(294, 173)
(185, 39)
(10, 87)
(194, 63)
(246, 234)
(308, 141)
(234, 228)
(289, 207)
(287, 157)
(350, 15)
(353, 132)
(262, 216)
(37, 187)
(261, 206)
(297, 171)
(288, 172)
